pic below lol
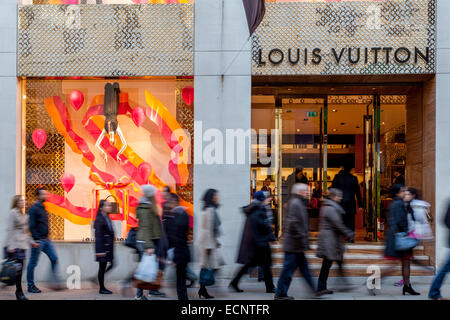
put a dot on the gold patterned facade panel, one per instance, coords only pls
(353, 37)
(105, 41)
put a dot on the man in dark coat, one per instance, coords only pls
(255, 248)
(38, 225)
(348, 184)
(435, 290)
(295, 241)
(177, 234)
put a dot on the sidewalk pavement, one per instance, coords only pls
(253, 290)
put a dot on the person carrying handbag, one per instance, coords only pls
(18, 240)
(397, 233)
(208, 244)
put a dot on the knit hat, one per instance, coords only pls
(259, 195)
(148, 190)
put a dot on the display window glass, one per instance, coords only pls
(85, 140)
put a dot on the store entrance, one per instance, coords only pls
(317, 136)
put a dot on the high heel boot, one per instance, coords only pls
(408, 289)
(204, 293)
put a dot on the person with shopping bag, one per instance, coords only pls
(149, 233)
(210, 257)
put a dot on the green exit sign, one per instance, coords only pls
(312, 114)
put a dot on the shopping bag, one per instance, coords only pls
(422, 231)
(147, 270)
(207, 277)
(404, 242)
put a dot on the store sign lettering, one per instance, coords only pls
(350, 55)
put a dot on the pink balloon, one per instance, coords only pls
(145, 169)
(76, 99)
(188, 95)
(138, 116)
(70, 1)
(39, 138)
(67, 181)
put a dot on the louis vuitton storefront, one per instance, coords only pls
(319, 84)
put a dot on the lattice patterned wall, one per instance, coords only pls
(351, 24)
(45, 166)
(105, 40)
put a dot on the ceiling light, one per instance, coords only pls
(298, 130)
(289, 89)
(334, 130)
(334, 110)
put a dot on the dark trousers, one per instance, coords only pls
(263, 258)
(19, 277)
(102, 269)
(349, 221)
(181, 281)
(292, 261)
(325, 271)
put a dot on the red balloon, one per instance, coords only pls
(138, 116)
(67, 181)
(76, 99)
(145, 169)
(39, 138)
(188, 95)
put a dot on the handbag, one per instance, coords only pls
(404, 242)
(10, 269)
(207, 277)
(131, 238)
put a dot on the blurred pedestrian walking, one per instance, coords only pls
(18, 239)
(210, 258)
(435, 290)
(331, 245)
(295, 241)
(397, 234)
(149, 234)
(177, 229)
(38, 226)
(255, 248)
(104, 243)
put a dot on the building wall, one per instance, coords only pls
(442, 126)
(9, 118)
(222, 64)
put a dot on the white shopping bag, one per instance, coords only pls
(147, 269)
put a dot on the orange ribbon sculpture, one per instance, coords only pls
(130, 160)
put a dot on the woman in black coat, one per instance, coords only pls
(177, 228)
(104, 243)
(255, 248)
(398, 222)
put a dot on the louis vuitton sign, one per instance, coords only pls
(389, 37)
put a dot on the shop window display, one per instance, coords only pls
(87, 140)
